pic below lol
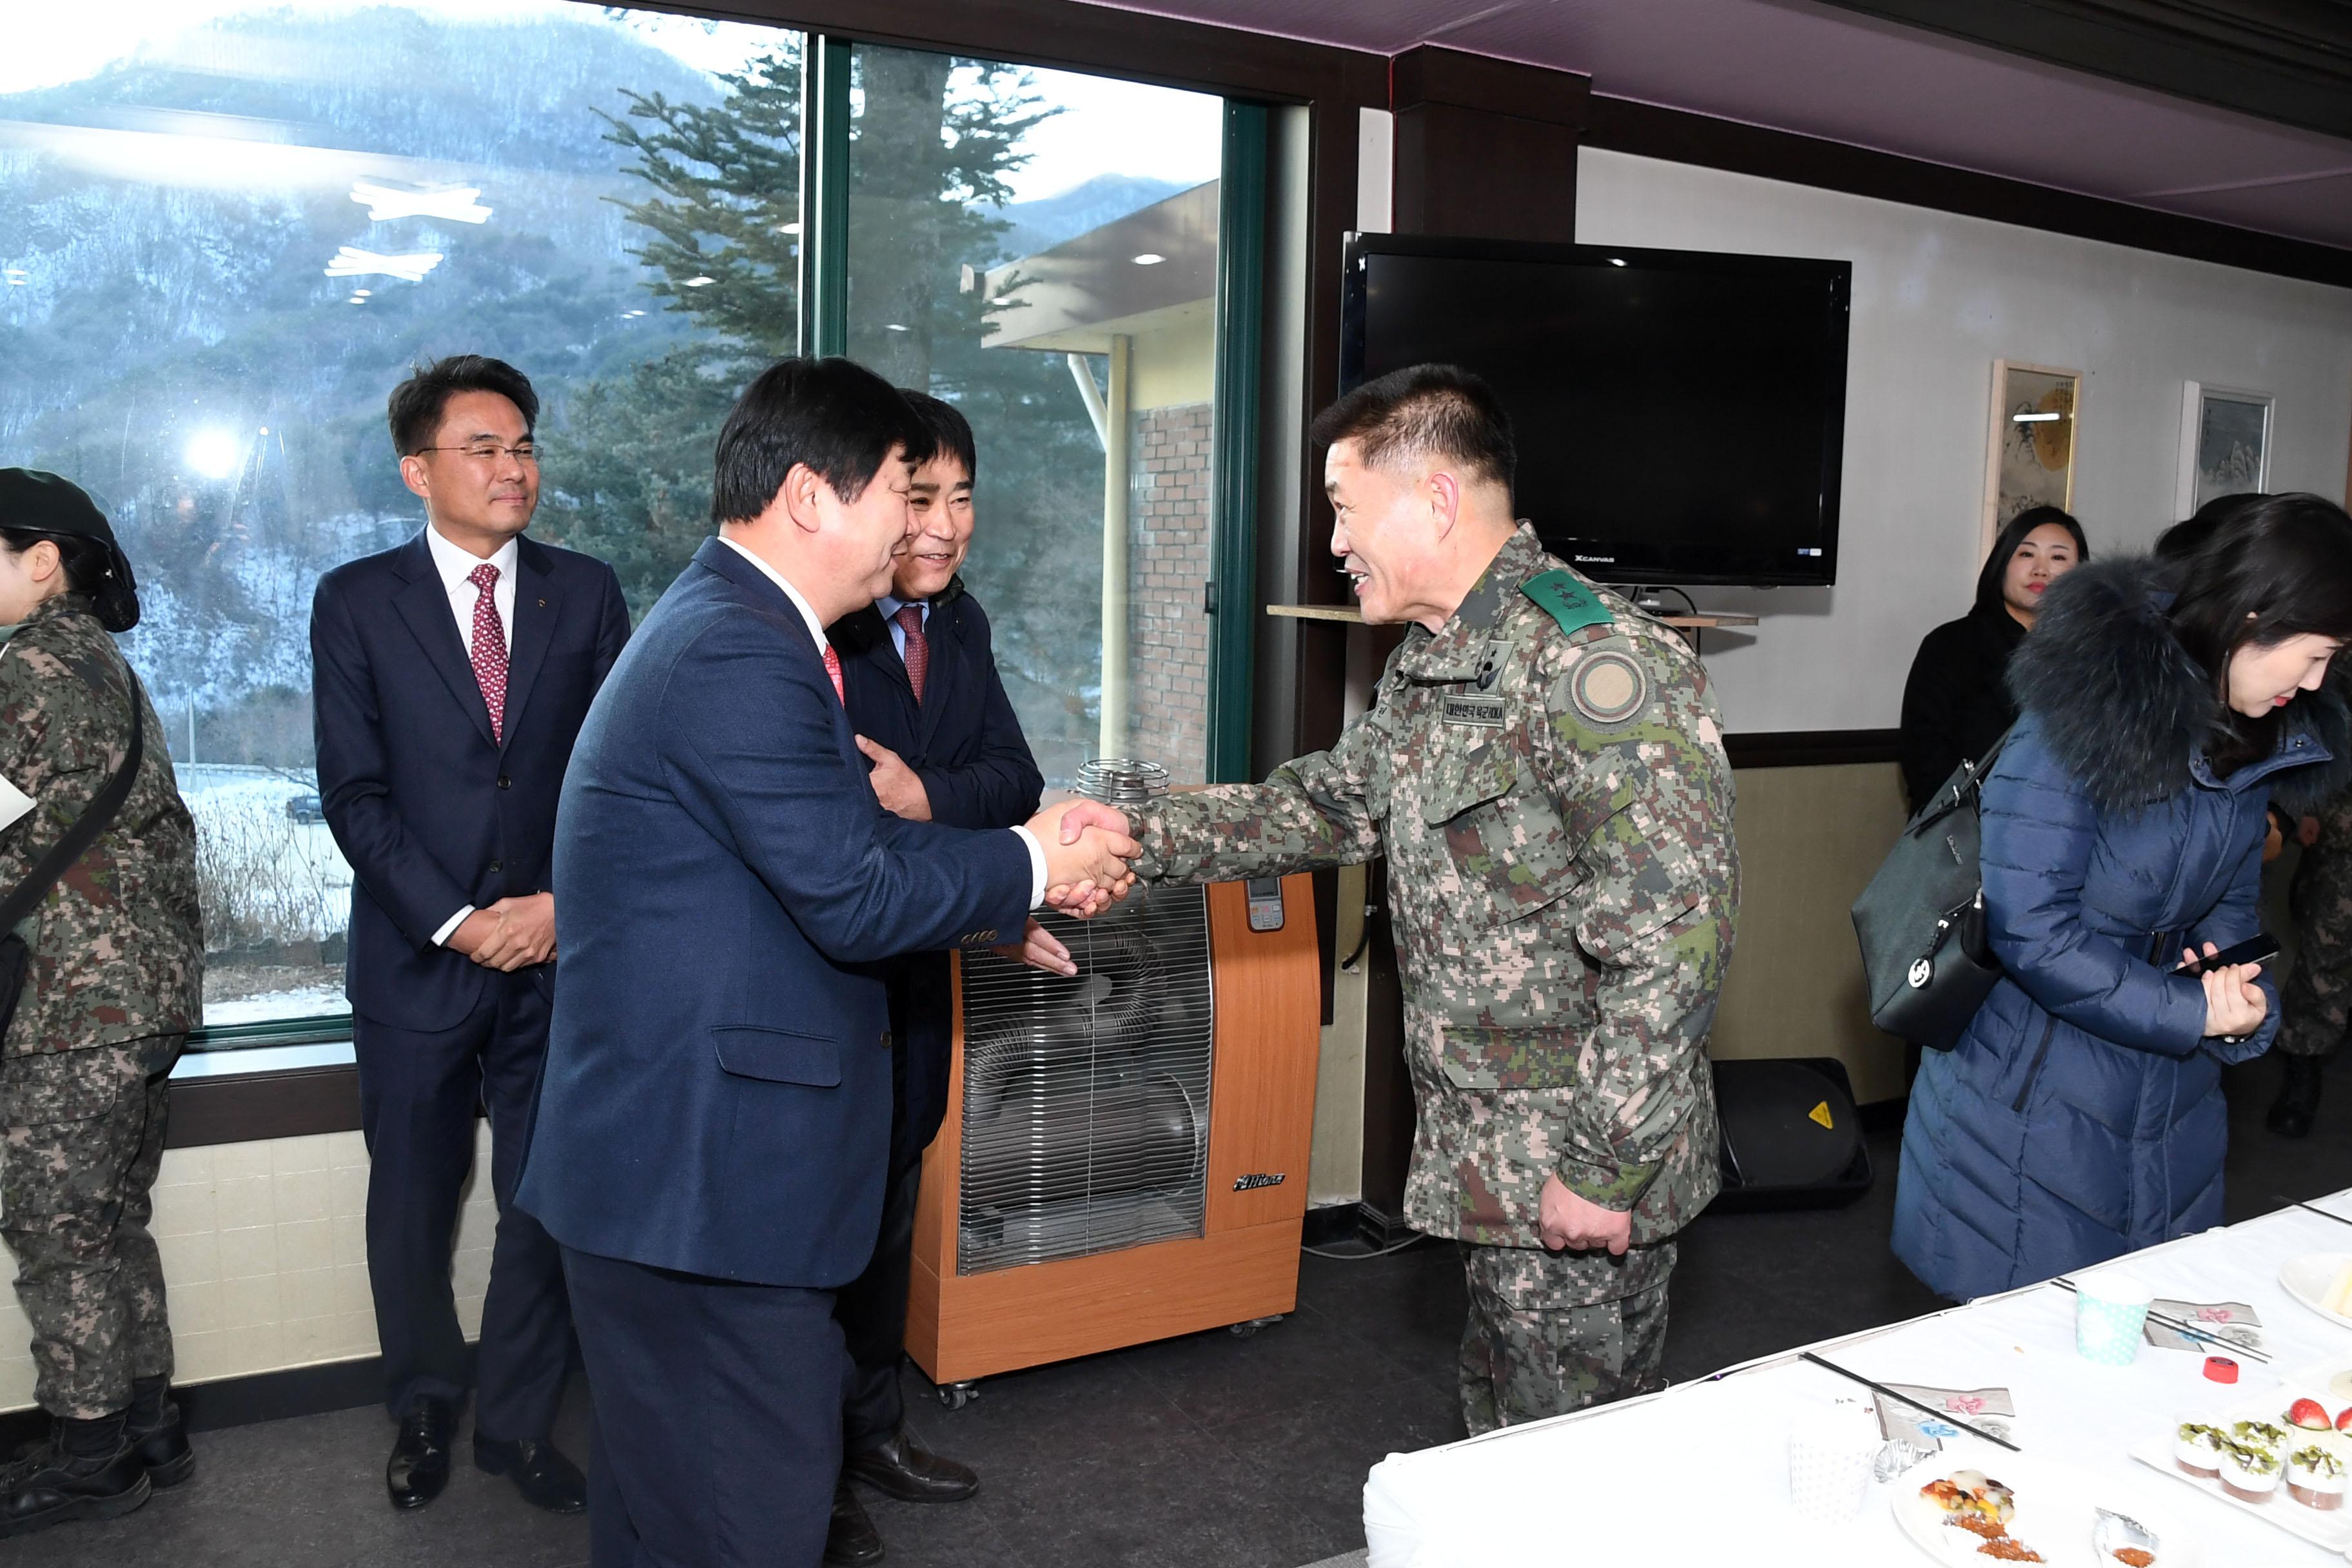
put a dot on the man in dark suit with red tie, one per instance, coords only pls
(450, 678)
(712, 1134)
(932, 719)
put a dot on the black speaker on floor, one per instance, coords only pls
(1791, 1137)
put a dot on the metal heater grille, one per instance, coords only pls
(1085, 1099)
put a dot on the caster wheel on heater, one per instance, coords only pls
(956, 1396)
(1248, 1329)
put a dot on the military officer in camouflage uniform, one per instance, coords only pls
(113, 982)
(1544, 768)
(2315, 1004)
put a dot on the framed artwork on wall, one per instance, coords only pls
(2030, 444)
(2225, 444)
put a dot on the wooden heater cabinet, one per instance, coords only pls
(1243, 1263)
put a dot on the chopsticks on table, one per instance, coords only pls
(2315, 1208)
(2189, 1330)
(1885, 1392)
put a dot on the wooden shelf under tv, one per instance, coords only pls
(1706, 620)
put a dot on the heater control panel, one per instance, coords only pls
(1264, 902)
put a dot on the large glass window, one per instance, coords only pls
(228, 231)
(228, 228)
(1040, 248)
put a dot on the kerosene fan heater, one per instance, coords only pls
(1124, 1157)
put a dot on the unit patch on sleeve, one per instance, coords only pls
(1607, 688)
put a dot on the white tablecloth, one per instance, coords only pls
(1700, 1472)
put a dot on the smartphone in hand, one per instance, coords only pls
(2259, 948)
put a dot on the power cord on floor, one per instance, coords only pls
(1365, 1256)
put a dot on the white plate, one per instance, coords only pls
(2328, 1380)
(2056, 1509)
(2307, 1278)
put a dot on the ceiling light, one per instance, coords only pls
(1616, 261)
(1150, 258)
(352, 262)
(788, 228)
(699, 282)
(2035, 418)
(892, 327)
(361, 293)
(215, 453)
(355, 300)
(383, 203)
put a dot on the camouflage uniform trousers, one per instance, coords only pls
(2315, 1004)
(1537, 1344)
(81, 1138)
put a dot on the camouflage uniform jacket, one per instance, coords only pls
(1546, 778)
(118, 949)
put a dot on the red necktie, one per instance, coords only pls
(919, 649)
(490, 651)
(833, 668)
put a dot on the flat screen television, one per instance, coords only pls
(1680, 414)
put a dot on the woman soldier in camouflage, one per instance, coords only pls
(113, 983)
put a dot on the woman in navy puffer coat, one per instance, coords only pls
(2080, 1116)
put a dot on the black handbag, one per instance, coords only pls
(1927, 963)
(16, 958)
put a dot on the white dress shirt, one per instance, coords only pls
(456, 565)
(816, 631)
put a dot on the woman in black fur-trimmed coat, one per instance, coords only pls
(1957, 703)
(2079, 1117)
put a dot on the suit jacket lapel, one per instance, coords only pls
(863, 635)
(537, 607)
(424, 604)
(886, 651)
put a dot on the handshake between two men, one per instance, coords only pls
(1087, 848)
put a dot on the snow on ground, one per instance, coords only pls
(301, 1001)
(290, 877)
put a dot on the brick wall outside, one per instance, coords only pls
(1167, 555)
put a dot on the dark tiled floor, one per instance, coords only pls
(1211, 1452)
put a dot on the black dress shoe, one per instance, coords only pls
(851, 1540)
(419, 1466)
(905, 1469)
(164, 1448)
(49, 1486)
(544, 1477)
(2298, 1098)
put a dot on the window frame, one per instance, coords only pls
(1250, 71)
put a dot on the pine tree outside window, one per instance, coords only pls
(227, 240)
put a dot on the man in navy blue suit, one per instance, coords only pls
(713, 1126)
(450, 678)
(932, 717)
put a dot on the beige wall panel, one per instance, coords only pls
(1810, 839)
(265, 1259)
